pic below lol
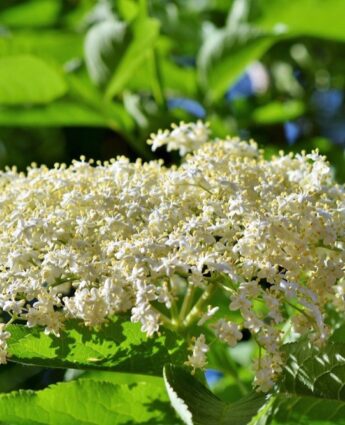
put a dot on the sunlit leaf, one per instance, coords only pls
(119, 345)
(58, 46)
(88, 402)
(30, 13)
(29, 80)
(304, 17)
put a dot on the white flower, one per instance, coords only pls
(4, 336)
(184, 137)
(198, 358)
(207, 315)
(89, 241)
(227, 332)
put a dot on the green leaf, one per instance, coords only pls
(13, 375)
(59, 113)
(277, 112)
(84, 106)
(122, 378)
(31, 13)
(88, 402)
(105, 44)
(311, 390)
(119, 345)
(113, 114)
(196, 405)
(58, 46)
(338, 335)
(318, 18)
(225, 55)
(145, 34)
(29, 80)
(181, 80)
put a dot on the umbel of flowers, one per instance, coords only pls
(89, 241)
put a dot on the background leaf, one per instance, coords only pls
(31, 13)
(145, 33)
(308, 17)
(105, 44)
(27, 79)
(51, 45)
(225, 55)
(276, 112)
(59, 113)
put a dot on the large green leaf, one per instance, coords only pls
(26, 79)
(67, 113)
(312, 389)
(58, 46)
(196, 405)
(84, 105)
(89, 402)
(119, 345)
(59, 113)
(30, 13)
(145, 34)
(318, 18)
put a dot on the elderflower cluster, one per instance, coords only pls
(184, 137)
(226, 241)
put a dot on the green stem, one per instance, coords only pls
(187, 302)
(165, 320)
(156, 81)
(335, 249)
(300, 310)
(196, 310)
(197, 185)
(143, 8)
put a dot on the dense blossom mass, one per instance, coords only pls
(226, 241)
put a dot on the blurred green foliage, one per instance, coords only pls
(96, 78)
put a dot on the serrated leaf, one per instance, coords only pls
(88, 402)
(312, 387)
(196, 405)
(119, 345)
(145, 34)
(26, 79)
